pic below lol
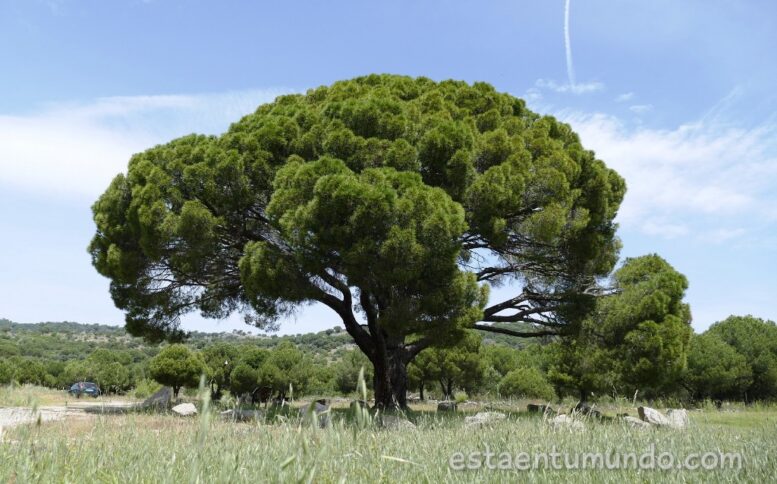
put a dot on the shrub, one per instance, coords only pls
(526, 383)
(145, 388)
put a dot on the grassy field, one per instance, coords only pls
(166, 448)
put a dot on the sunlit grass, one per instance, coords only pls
(165, 448)
(29, 395)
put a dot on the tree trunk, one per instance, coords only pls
(390, 380)
(421, 390)
(583, 395)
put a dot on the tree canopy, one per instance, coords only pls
(756, 340)
(177, 366)
(387, 198)
(636, 338)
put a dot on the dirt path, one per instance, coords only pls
(13, 416)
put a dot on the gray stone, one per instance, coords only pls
(242, 415)
(185, 409)
(396, 422)
(481, 419)
(565, 422)
(534, 408)
(360, 404)
(678, 418)
(634, 422)
(161, 400)
(586, 409)
(446, 406)
(653, 417)
(320, 410)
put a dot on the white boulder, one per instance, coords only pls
(185, 409)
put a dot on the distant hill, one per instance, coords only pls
(68, 340)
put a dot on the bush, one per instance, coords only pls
(526, 383)
(243, 379)
(145, 388)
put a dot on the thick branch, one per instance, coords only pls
(519, 334)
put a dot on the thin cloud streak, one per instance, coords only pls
(568, 46)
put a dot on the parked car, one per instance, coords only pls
(84, 388)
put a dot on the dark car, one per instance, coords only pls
(84, 388)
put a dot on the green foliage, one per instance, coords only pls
(756, 340)
(526, 383)
(716, 370)
(347, 371)
(243, 379)
(376, 188)
(6, 372)
(635, 339)
(220, 359)
(109, 369)
(177, 366)
(145, 388)
(460, 366)
(501, 358)
(28, 370)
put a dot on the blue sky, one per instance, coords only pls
(677, 96)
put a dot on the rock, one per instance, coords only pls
(321, 410)
(653, 417)
(484, 418)
(678, 418)
(564, 421)
(396, 422)
(446, 406)
(585, 409)
(534, 408)
(185, 409)
(242, 415)
(160, 400)
(635, 422)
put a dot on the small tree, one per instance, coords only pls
(242, 380)
(636, 337)
(526, 383)
(220, 359)
(756, 340)
(347, 371)
(176, 366)
(460, 366)
(421, 371)
(715, 369)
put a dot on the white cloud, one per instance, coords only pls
(533, 95)
(627, 96)
(576, 88)
(699, 176)
(76, 149)
(641, 108)
(664, 229)
(723, 234)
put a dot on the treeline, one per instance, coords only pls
(735, 359)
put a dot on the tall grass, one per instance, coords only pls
(165, 448)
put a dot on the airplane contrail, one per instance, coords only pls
(568, 47)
